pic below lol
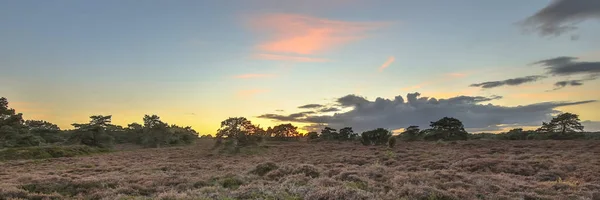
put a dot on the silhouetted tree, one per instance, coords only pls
(377, 136)
(312, 135)
(93, 133)
(329, 133)
(347, 134)
(447, 128)
(49, 132)
(13, 131)
(238, 131)
(410, 134)
(283, 131)
(563, 123)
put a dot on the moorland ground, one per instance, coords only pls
(321, 170)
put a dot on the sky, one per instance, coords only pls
(495, 65)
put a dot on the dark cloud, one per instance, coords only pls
(416, 110)
(310, 106)
(330, 109)
(511, 82)
(562, 66)
(279, 110)
(561, 84)
(561, 16)
(351, 100)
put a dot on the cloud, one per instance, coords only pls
(266, 56)
(250, 93)
(310, 106)
(510, 82)
(561, 16)
(248, 76)
(474, 111)
(561, 84)
(301, 34)
(592, 126)
(331, 109)
(387, 63)
(561, 66)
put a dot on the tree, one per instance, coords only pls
(347, 134)
(312, 135)
(48, 131)
(377, 136)
(410, 134)
(447, 128)
(563, 123)
(329, 133)
(155, 132)
(283, 131)
(238, 131)
(93, 133)
(13, 132)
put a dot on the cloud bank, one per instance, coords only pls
(418, 110)
(561, 16)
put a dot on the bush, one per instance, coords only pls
(392, 142)
(375, 137)
(45, 152)
(264, 168)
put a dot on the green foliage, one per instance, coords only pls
(378, 136)
(563, 123)
(410, 134)
(312, 136)
(93, 133)
(239, 132)
(283, 132)
(329, 134)
(44, 152)
(447, 129)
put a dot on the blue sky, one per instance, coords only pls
(65, 60)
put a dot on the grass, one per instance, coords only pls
(301, 170)
(45, 152)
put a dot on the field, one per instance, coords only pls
(302, 170)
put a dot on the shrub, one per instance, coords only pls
(312, 135)
(375, 137)
(47, 152)
(264, 168)
(392, 142)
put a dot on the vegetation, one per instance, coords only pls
(44, 152)
(378, 136)
(494, 169)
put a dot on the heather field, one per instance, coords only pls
(474, 169)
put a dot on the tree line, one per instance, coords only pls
(98, 132)
(238, 132)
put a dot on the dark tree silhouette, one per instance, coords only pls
(563, 123)
(447, 128)
(329, 133)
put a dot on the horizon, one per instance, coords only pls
(363, 64)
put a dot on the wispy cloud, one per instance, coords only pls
(301, 34)
(387, 63)
(266, 56)
(250, 93)
(248, 76)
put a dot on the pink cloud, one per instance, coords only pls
(247, 76)
(300, 34)
(387, 63)
(250, 93)
(265, 56)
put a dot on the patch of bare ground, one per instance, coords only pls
(301, 170)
